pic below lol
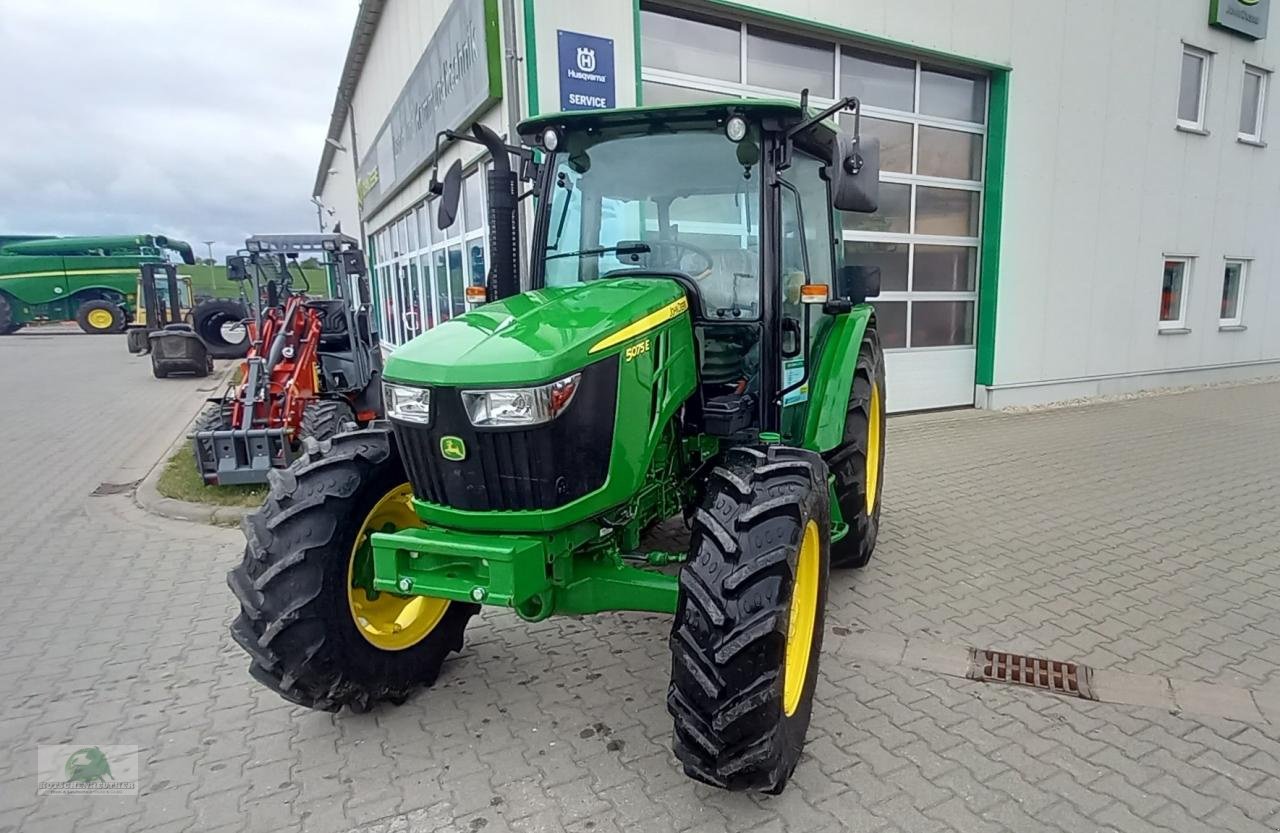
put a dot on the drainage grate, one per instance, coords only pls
(114, 489)
(1052, 675)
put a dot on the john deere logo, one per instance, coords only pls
(453, 448)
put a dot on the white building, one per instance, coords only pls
(1078, 196)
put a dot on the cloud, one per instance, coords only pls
(200, 120)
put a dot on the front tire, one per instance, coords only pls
(858, 462)
(313, 635)
(748, 628)
(325, 418)
(98, 317)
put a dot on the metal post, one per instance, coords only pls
(209, 245)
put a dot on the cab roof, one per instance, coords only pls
(786, 112)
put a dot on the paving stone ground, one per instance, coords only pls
(1138, 536)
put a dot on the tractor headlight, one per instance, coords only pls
(520, 406)
(407, 404)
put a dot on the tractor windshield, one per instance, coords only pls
(639, 201)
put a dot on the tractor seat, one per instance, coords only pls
(333, 324)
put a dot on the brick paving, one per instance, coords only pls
(1136, 536)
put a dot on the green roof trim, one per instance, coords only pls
(531, 56)
(992, 220)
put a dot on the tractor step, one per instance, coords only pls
(237, 456)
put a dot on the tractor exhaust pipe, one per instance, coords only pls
(503, 279)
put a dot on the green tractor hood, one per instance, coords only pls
(537, 336)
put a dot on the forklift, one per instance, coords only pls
(313, 366)
(162, 327)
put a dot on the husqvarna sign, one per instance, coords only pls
(1248, 17)
(586, 72)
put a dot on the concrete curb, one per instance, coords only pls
(148, 498)
(1109, 686)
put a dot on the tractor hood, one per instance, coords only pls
(537, 336)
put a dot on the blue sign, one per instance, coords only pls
(586, 72)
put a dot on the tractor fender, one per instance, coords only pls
(831, 380)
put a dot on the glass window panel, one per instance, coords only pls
(475, 261)
(878, 80)
(1171, 290)
(411, 227)
(789, 62)
(423, 215)
(457, 278)
(891, 323)
(1189, 89)
(473, 201)
(945, 269)
(890, 257)
(946, 211)
(1232, 279)
(425, 291)
(950, 153)
(941, 323)
(690, 44)
(1249, 103)
(443, 308)
(894, 214)
(895, 140)
(953, 95)
(657, 94)
(416, 322)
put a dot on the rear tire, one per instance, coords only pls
(859, 483)
(740, 696)
(209, 317)
(295, 583)
(325, 418)
(98, 317)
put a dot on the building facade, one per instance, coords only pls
(1077, 198)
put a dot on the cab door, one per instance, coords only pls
(806, 255)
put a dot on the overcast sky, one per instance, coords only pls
(201, 120)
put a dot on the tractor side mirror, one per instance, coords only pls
(237, 268)
(854, 173)
(858, 283)
(450, 193)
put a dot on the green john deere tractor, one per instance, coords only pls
(688, 341)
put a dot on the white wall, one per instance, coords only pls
(339, 192)
(1100, 186)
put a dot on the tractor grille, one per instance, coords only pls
(506, 469)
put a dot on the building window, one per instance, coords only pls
(1173, 293)
(1193, 88)
(1231, 313)
(1253, 104)
(423, 270)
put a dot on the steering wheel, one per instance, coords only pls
(678, 246)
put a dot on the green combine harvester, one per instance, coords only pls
(689, 342)
(89, 280)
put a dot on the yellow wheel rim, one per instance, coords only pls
(873, 449)
(800, 625)
(100, 319)
(386, 620)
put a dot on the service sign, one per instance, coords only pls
(1248, 17)
(458, 75)
(587, 80)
